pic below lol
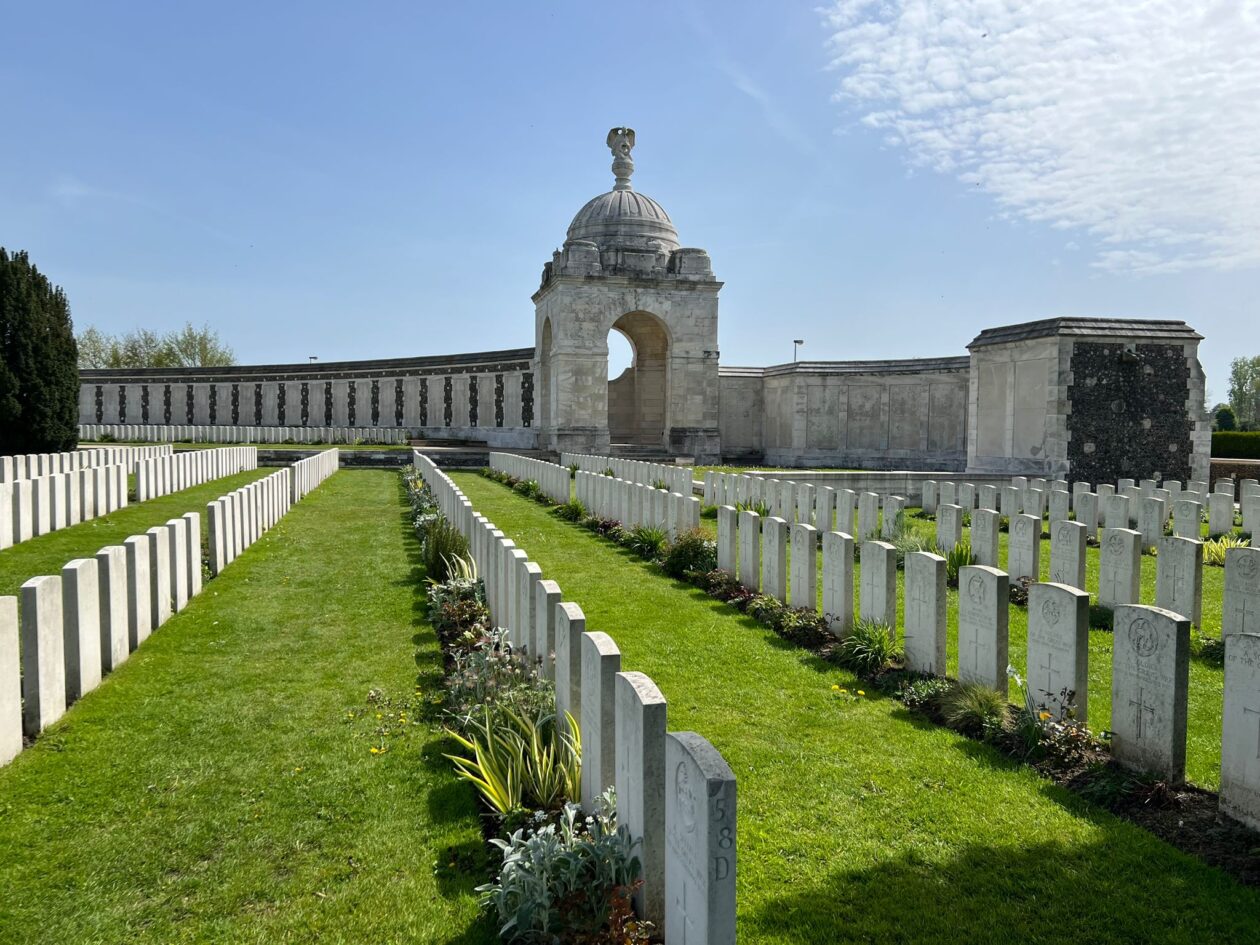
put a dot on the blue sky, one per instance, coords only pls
(880, 179)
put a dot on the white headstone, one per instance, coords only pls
(893, 520)
(10, 681)
(159, 575)
(546, 600)
(728, 538)
(1150, 681)
(1187, 519)
(1060, 507)
(139, 613)
(837, 602)
(984, 595)
(1220, 513)
(570, 625)
(877, 600)
(984, 536)
(111, 595)
(1067, 553)
(1119, 567)
(43, 654)
(1058, 648)
(868, 515)
(601, 661)
(925, 612)
(700, 842)
(1240, 741)
(774, 533)
(1179, 577)
(81, 614)
(1240, 606)
(750, 550)
(640, 782)
(948, 526)
(1023, 548)
(1116, 511)
(804, 585)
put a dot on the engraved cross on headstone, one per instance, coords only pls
(689, 924)
(1139, 706)
(1256, 712)
(921, 600)
(976, 646)
(1051, 672)
(1246, 612)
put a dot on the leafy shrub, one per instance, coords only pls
(520, 762)
(571, 511)
(1101, 617)
(974, 709)
(646, 541)
(574, 469)
(608, 471)
(1019, 591)
(868, 648)
(690, 552)
(440, 544)
(804, 626)
(458, 613)
(759, 507)
(909, 542)
(487, 675)
(925, 693)
(1209, 649)
(1214, 549)
(529, 488)
(567, 882)
(660, 484)
(958, 557)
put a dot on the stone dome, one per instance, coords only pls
(625, 219)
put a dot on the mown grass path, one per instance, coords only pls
(49, 553)
(216, 788)
(858, 821)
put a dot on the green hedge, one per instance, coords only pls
(1232, 444)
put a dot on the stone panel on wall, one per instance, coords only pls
(906, 410)
(866, 419)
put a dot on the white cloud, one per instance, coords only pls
(1138, 122)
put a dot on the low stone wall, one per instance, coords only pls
(674, 790)
(1236, 469)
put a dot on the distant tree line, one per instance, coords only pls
(1243, 410)
(186, 347)
(39, 383)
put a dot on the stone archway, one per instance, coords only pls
(638, 400)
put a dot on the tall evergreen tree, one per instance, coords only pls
(39, 375)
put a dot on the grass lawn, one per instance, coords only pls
(49, 553)
(220, 786)
(859, 822)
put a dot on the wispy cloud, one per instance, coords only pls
(1133, 121)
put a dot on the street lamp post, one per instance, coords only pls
(796, 343)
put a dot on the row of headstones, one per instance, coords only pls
(76, 627)
(634, 504)
(308, 473)
(220, 433)
(674, 790)
(677, 478)
(1150, 675)
(38, 465)
(33, 507)
(166, 474)
(552, 479)
(1179, 564)
(1145, 505)
(241, 517)
(808, 504)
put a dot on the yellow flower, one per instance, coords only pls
(861, 693)
(845, 691)
(836, 689)
(374, 750)
(1043, 715)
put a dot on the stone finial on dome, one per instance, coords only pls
(621, 141)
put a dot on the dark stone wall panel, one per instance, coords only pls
(1128, 414)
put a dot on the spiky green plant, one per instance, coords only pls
(868, 648)
(957, 558)
(974, 709)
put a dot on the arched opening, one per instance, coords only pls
(544, 420)
(638, 395)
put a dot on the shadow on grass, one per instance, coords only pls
(1051, 892)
